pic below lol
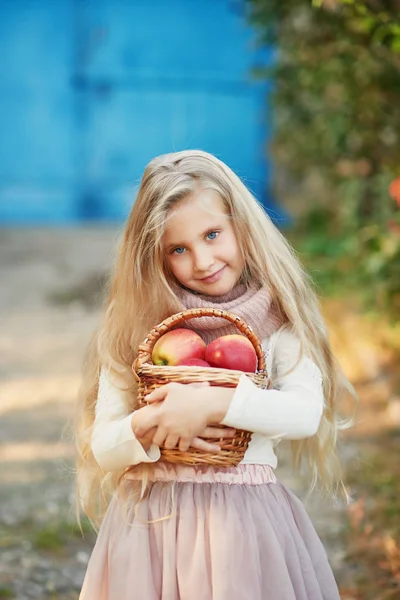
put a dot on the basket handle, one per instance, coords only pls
(146, 347)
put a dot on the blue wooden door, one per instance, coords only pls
(163, 76)
(93, 89)
(38, 135)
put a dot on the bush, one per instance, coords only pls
(336, 103)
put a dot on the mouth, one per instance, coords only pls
(214, 277)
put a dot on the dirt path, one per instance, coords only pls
(49, 281)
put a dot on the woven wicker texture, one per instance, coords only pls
(150, 377)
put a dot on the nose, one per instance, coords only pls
(203, 260)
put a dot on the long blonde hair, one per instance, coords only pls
(140, 295)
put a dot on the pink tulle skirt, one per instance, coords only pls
(206, 534)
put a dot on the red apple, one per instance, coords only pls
(194, 362)
(177, 345)
(232, 352)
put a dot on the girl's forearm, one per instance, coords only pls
(218, 402)
(210, 404)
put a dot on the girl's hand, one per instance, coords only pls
(147, 439)
(181, 412)
(141, 416)
(201, 444)
(178, 412)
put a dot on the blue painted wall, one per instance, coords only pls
(91, 90)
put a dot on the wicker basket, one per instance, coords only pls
(150, 377)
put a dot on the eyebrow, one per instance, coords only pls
(182, 244)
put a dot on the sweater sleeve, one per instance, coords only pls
(113, 442)
(292, 411)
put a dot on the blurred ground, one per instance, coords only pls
(48, 308)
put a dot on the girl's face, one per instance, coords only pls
(200, 245)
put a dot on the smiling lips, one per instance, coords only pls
(214, 277)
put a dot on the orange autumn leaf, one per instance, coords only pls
(394, 190)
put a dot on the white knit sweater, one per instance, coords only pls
(291, 411)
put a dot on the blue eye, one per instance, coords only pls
(212, 235)
(179, 250)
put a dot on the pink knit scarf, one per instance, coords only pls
(253, 304)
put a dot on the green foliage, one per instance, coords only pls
(364, 263)
(336, 103)
(57, 533)
(48, 538)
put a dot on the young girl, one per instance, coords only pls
(196, 237)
